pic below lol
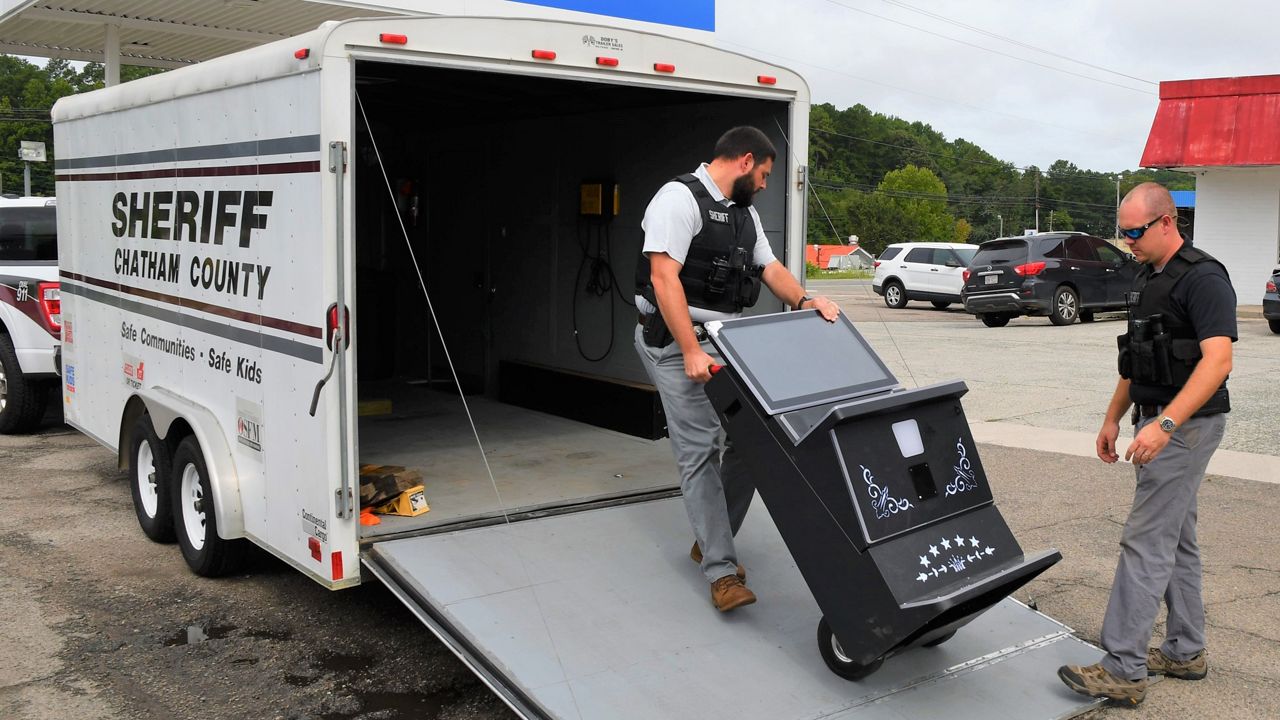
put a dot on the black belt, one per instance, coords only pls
(1146, 411)
(699, 330)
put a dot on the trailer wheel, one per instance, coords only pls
(839, 663)
(149, 479)
(197, 527)
(939, 640)
(22, 400)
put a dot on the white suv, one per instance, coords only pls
(30, 311)
(932, 271)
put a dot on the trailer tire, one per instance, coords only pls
(833, 655)
(22, 400)
(207, 554)
(150, 472)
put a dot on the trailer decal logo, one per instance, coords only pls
(69, 373)
(882, 504)
(602, 42)
(133, 372)
(315, 527)
(249, 424)
(210, 219)
(965, 552)
(965, 479)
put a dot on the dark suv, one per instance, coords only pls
(1064, 275)
(1271, 302)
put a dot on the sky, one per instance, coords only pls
(1017, 81)
(1020, 112)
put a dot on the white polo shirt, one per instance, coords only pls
(672, 220)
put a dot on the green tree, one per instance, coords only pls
(1060, 220)
(921, 200)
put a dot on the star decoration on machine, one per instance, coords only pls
(965, 554)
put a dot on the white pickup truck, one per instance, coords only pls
(30, 313)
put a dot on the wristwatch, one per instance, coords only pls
(800, 303)
(1167, 424)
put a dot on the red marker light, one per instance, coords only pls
(766, 80)
(544, 55)
(303, 54)
(313, 544)
(664, 67)
(336, 561)
(393, 38)
(1271, 286)
(607, 61)
(964, 274)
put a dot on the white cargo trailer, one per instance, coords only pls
(245, 246)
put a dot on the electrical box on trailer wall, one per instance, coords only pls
(599, 199)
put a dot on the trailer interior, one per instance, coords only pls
(506, 189)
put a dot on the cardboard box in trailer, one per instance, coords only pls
(246, 244)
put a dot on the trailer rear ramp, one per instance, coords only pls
(601, 614)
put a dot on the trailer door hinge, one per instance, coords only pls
(802, 172)
(338, 157)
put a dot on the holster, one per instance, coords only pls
(655, 332)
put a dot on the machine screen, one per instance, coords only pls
(795, 360)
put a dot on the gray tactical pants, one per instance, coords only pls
(1159, 555)
(717, 490)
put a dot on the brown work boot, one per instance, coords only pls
(1095, 681)
(728, 593)
(696, 554)
(1160, 664)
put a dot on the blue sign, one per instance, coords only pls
(695, 14)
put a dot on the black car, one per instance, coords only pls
(1064, 276)
(1271, 302)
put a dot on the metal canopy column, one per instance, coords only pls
(111, 55)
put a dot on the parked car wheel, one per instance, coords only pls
(995, 319)
(22, 400)
(1275, 326)
(940, 304)
(206, 553)
(150, 481)
(894, 295)
(1066, 306)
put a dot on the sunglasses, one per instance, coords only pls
(1135, 233)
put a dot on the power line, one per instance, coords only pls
(986, 49)
(1014, 41)
(899, 88)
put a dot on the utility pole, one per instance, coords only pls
(1037, 199)
(1001, 219)
(1117, 207)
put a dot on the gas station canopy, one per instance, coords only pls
(161, 33)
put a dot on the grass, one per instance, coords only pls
(839, 274)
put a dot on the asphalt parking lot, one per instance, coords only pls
(101, 623)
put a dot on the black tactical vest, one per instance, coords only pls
(719, 272)
(1160, 349)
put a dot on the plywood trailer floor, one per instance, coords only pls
(538, 460)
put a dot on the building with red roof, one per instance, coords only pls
(1227, 132)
